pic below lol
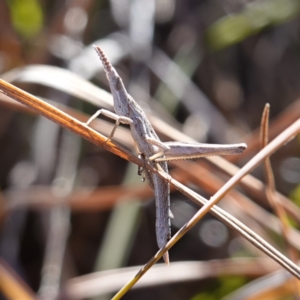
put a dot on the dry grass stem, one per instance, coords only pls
(271, 195)
(12, 286)
(271, 188)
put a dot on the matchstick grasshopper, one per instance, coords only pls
(151, 149)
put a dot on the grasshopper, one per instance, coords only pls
(152, 149)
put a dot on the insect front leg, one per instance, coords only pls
(111, 115)
(142, 171)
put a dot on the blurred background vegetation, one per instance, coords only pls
(207, 68)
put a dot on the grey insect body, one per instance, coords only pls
(141, 131)
(151, 149)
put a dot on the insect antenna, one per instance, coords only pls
(106, 64)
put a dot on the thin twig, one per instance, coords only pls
(12, 286)
(271, 188)
(271, 194)
(65, 121)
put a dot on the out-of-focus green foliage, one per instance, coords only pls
(26, 16)
(230, 284)
(295, 195)
(226, 285)
(256, 16)
(204, 296)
